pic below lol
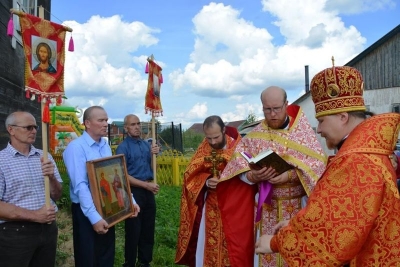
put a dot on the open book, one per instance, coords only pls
(268, 158)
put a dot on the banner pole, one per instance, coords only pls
(44, 136)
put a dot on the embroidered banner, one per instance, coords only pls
(44, 47)
(152, 100)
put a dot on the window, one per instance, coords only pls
(396, 107)
(27, 6)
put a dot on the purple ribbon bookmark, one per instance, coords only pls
(264, 196)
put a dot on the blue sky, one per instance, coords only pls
(217, 57)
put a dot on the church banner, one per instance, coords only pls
(44, 47)
(152, 100)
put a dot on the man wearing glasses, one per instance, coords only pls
(28, 231)
(286, 131)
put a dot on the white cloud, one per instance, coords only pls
(232, 56)
(242, 111)
(100, 69)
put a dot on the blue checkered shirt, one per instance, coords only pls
(21, 178)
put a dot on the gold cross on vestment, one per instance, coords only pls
(214, 159)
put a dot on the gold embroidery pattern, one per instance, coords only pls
(337, 89)
(354, 219)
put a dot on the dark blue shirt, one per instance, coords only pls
(138, 158)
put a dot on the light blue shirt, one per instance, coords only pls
(77, 153)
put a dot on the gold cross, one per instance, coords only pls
(214, 159)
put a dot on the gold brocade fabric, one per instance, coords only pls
(353, 212)
(196, 174)
(299, 146)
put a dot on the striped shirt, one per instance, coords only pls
(21, 178)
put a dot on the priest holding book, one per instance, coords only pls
(216, 223)
(287, 132)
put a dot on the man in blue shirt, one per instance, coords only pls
(139, 232)
(94, 242)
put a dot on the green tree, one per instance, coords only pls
(250, 118)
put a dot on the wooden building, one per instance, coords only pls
(12, 92)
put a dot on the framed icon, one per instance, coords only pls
(110, 188)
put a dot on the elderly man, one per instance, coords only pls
(286, 131)
(352, 216)
(28, 231)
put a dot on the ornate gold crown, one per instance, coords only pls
(337, 89)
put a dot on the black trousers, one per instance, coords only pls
(28, 244)
(91, 249)
(139, 231)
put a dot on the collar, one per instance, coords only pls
(285, 124)
(89, 140)
(14, 152)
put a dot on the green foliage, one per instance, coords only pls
(191, 140)
(65, 201)
(250, 118)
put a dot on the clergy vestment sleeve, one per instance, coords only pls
(341, 212)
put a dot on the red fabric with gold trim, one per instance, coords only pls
(153, 100)
(44, 47)
(353, 213)
(337, 89)
(229, 239)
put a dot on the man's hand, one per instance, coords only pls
(47, 168)
(153, 187)
(155, 149)
(212, 182)
(263, 174)
(263, 245)
(280, 225)
(45, 214)
(280, 179)
(101, 227)
(137, 210)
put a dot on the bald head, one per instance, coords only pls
(274, 92)
(132, 126)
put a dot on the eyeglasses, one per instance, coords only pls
(29, 127)
(275, 110)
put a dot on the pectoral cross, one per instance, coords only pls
(214, 159)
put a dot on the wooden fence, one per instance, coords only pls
(171, 165)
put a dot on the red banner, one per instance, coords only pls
(44, 47)
(152, 100)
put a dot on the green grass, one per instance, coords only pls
(167, 223)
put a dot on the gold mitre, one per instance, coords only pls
(337, 89)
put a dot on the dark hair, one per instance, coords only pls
(88, 112)
(47, 48)
(209, 121)
(361, 114)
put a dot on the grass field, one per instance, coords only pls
(167, 223)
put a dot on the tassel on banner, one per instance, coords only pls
(59, 101)
(33, 97)
(147, 68)
(27, 95)
(39, 98)
(10, 26)
(46, 111)
(161, 78)
(71, 46)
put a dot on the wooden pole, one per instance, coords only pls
(44, 137)
(153, 136)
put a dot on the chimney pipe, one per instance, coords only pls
(307, 79)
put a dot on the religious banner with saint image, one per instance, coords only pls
(152, 100)
(44, 47)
